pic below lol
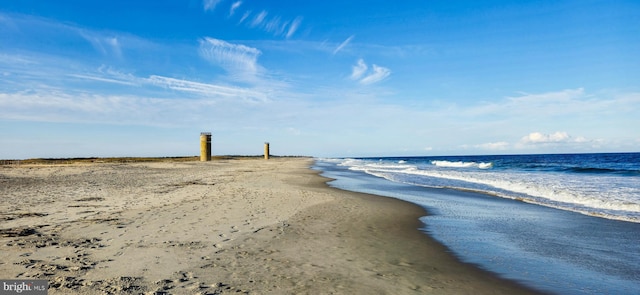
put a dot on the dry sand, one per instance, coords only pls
(230, 226)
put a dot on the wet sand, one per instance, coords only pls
(245, 226)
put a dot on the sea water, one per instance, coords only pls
(567, 224)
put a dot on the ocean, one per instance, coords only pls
(559, 223)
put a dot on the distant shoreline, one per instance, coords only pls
(87, 160)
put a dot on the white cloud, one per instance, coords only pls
(546, 104)
(234, 7)
(208, 90)
(294, 26)
(70, 105)
(103, 44)
(343, 44)
(603, 114)
(276, 26)
(102, 79)
(259, 18)
(561, 141)
(64, 107)
(379, 74)
(210, 5)
(52, 38)
(16, 59)
(540, 138)
(359, 69)
(376, 74)
(232, 57)
(245, 15)
(556, 96)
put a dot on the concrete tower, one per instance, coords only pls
(205, 146)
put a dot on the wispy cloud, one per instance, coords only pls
(102, 79)
(259, 18)
(343, 44)
(275, 26)
(245, 15)
(61, 89)
(358, 69)
(558, 104)
(207, 90)
(59, 37)
(379, 74)
(45, 104)
(264, 20)
(10, 59)
(376, 74)
(71, 72)
(71, 107)
(541, 102)
(538, 141)
(557, 137)
(293, 27)
(234, 7)
(232, 57)
(107, 45)
(584, 120)
(210, 5)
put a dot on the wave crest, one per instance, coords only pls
(460, 164)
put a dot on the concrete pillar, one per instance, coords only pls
(205, 146)
(266, 151)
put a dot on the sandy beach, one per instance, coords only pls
(242, 226)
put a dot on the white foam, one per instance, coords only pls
(609, 197)
(460, 164)
(485, 165)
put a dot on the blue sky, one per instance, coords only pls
(319, 78)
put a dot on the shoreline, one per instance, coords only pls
(419, 251)
(228, 226)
